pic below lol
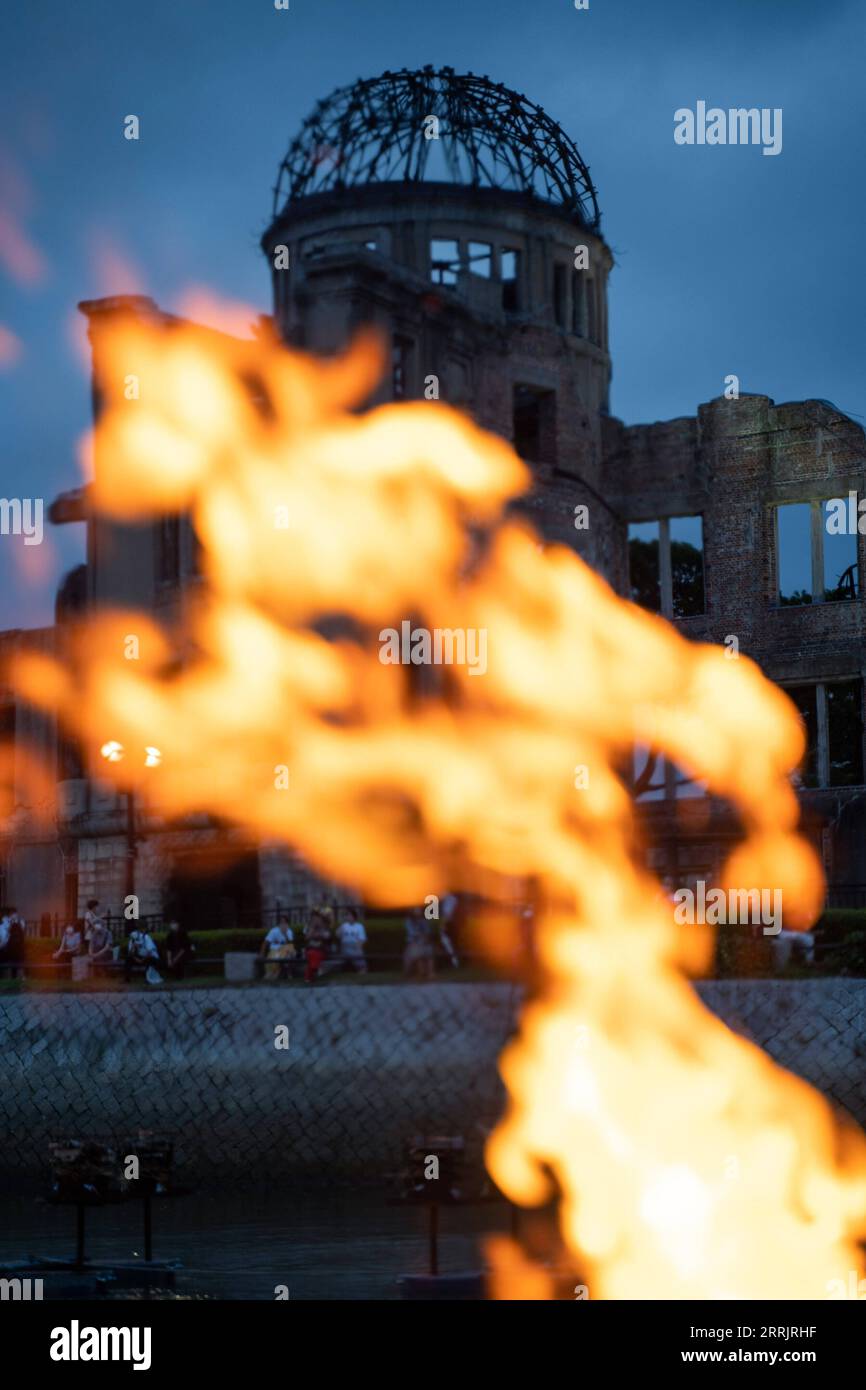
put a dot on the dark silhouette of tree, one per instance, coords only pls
(687, 575)
(643, 565)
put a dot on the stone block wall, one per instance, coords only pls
(366, 1067)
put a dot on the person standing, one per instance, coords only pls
(353, 938)
(91, 917)
(447, 923)
(178, 949)
(11, 942)
(418, 956)
(318, 939)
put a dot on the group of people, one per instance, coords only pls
(330, 935)
(142, 953)
(321, 939)
(90, 936)
(87, 936)
(342, 938)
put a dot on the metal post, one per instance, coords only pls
(148, 1230)
(79, 1235)
(433, 1233)
(129, 889)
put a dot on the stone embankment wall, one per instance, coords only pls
(366, 1067)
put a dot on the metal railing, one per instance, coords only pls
(847, 895)
(257, 919)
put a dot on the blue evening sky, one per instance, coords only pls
(727, 260)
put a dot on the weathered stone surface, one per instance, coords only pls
(365, 1068)
(240, 965)
(816, 1028)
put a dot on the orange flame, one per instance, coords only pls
(689, 1165)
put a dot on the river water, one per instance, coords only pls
(319, 1245)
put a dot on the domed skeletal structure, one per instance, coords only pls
(379, 130)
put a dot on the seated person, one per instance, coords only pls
(141, 952)
(70, 943)
(100, 948)
(797, 947)
(278, 949)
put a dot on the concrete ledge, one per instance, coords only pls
(240, 965)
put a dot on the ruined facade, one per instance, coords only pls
(776, 583)
(457, 219)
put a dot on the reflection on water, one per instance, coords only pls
(341, 1245)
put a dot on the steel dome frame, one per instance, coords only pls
(491, 137)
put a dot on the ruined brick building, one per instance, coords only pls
(457, 218)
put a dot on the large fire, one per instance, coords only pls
(688, 1165)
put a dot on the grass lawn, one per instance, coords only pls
(469, 974)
